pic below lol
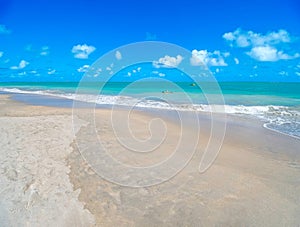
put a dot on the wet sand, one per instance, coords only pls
(255, 180)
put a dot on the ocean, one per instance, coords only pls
(276, 104)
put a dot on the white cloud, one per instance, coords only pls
(297, 73)
(82, 51)
(108, 68)
(283, 73)
(208, 58)
(45, 51)
(242, 38)
(4, 30)
(229, 36)
(159, 73)
(268, 53)
(83, 69)
(118, 55)
(242, 41)
(97, 72)
(264, 47)
(236, 60)
(21, 65)
(139, 69)
(254, 75)
(225, 54)
(168, 62)
(129, 73)
(134, 71)
(1, 53)
(50, 72)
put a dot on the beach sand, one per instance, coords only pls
(255, 180)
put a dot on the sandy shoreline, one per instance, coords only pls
(36, 189)
(253, 182)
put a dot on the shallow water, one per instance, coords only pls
(276, 104)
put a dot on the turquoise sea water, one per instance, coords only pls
(276, 104)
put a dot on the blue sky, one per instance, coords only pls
(49, 40)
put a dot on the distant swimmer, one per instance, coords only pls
(193, 85)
